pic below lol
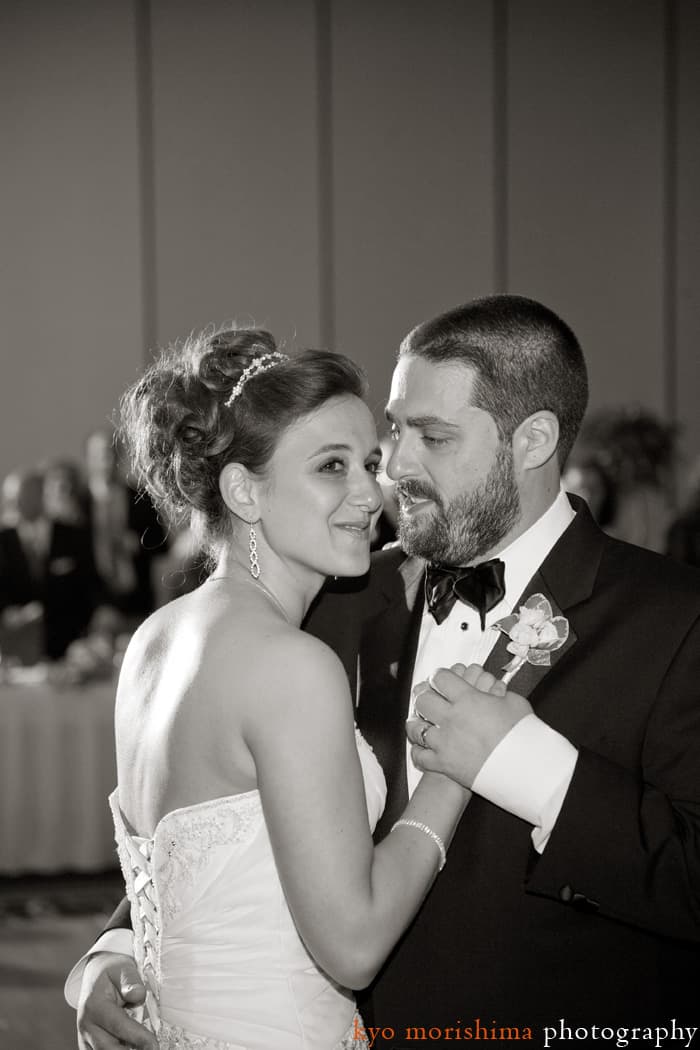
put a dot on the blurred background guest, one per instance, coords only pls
(66, 495)
(385, 526)
(590, 480)
(683, 540)
(127, 533)
(632, 452)
(48, 582)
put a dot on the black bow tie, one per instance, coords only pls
(478, 585)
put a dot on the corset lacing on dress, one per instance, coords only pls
(220, 955)
(139, 852)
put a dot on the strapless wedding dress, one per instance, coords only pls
(214, 939)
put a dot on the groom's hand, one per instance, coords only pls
(470, 711)
(111, 982)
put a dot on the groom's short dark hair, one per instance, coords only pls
(525, 357)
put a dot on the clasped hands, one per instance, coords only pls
(461, 715)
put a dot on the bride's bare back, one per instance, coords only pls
(188, 684)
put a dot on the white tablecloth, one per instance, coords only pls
(57, 767)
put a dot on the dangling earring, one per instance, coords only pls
(253, 553)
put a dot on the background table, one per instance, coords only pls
(57, 767)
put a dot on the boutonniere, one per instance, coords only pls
(534, 632)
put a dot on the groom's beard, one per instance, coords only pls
(470, 525)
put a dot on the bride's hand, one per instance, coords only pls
(463, 714)
(111, 983)
(482, 680)
(474, 674)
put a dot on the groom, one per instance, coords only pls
(572, 890)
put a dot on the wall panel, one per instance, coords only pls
(70, 246)
(413, 169)
(235, 165)
(687, 240)
(585, 177)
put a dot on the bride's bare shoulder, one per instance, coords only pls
(232, 652)
(283, 662)
(276, 649)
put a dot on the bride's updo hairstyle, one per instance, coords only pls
(180, 431)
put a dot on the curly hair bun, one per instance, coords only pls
(172, 418)
(228, 353)
(180, 432)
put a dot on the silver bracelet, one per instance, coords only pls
(430, 833)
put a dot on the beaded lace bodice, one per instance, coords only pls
(223, 964)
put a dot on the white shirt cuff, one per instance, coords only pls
(121, 941)
(528, 774)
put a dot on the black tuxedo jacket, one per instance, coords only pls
(600, 927)
(66, 585)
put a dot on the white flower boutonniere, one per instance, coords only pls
(534, 632)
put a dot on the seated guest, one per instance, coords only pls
(127, 534)
(48, 582)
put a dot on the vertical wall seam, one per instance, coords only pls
(500, 145)
(146, 174)
(326, 225)
(670, 210)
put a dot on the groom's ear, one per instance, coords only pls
(535, 440)
(239, 492)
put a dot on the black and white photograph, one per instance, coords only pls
(349, 524)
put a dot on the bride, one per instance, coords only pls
(246, 798)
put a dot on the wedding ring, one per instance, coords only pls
(424, 730)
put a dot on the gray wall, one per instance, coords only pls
(339, 170)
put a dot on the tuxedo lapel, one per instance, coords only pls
(499, 655)
(385, 672)
(565, 578)
(570, 569)
(528, 676)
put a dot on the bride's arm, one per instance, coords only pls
(351, 901)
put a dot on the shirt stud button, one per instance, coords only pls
(464, 626)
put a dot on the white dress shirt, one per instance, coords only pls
(530, 770)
